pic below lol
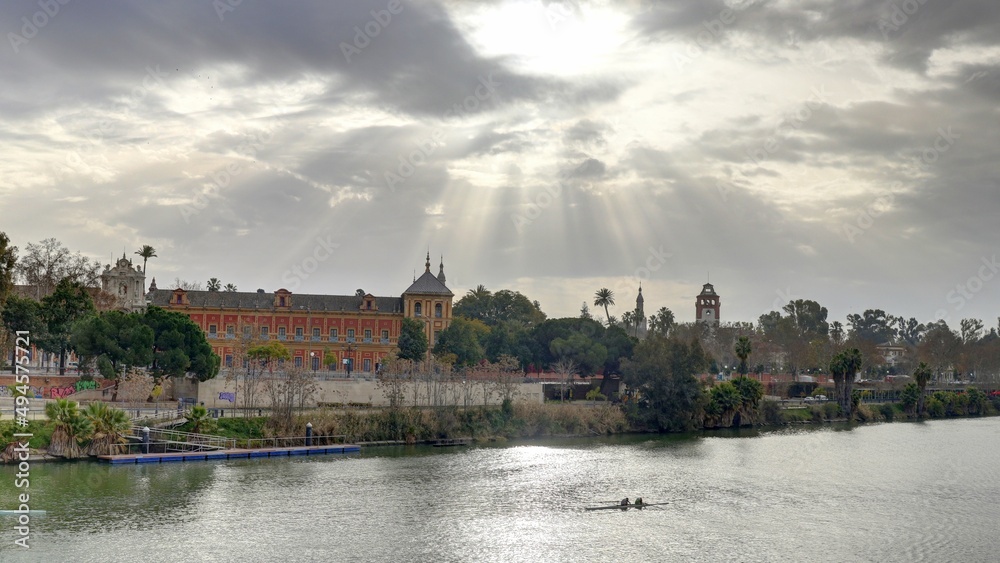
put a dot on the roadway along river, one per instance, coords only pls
(888, 492)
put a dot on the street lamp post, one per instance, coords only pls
(312, 361)
(348, 361)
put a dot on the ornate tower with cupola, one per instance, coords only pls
(126, 283)
(428, 300)
(640, 314)
(707, 305)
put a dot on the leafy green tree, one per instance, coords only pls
(743, 350)
(463, 338)
(603, 298)
(662, 372)
(510, 338)
(723, 404)
(809, 318)
(146, 252)
(586, 353)
(110, 427)
(22, 313)
(500, 307)
(940, 348)
(8, 262)
(921, 376)
(115, 340)
(619, 345)
(910, 397)
(852, 362)
(179, 345)
(412, 340)
(69, 303)
(70, 428)
(751, 393)
(874, 326)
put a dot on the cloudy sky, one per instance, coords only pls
(842, 151)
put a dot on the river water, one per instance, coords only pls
(888, 492)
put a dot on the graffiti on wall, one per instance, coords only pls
(54, 392)
(227, 396)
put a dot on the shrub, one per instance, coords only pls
(817, 413)
(935, 408)
(772, 413)
(831, 411)
(888, 413)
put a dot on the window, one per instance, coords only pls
(385, 334)
(298, 331)
(230, 330)
(434, 341)
(229, 360)
(281, 332)
(315, 332)
(368, 333)
(333, 334)
(368, 364)
(212, 329)
(246, 331)
(315, 363)
(180, 299)
(298, 361)
(417, 309)
(281, 301)
(264, 331)
(350, 333)
(332, 366)
(437, 310)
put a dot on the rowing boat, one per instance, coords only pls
(626, 506)
(16, 512)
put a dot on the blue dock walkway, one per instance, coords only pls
(229, 454)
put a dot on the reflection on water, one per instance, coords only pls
(890, 492)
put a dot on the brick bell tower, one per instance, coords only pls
(707, 305)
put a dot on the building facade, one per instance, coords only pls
(330, 333)
(126, 283)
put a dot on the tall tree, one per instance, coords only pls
(117, 341)
(662, 321)
(809, 318)
(500, 307)
(230, 287)
(46, 263)
(179, 345)
(743, 350)
(69, 303)
(940, 348)
(852, 361)
(412, 340)
(23, 313)
(909, 330)
(874, 325)
(662, 373)
(463, 338)
(585, 311)
(971, 330)
(214, 284)
(8, 263)
(603, 298)
(146, 252)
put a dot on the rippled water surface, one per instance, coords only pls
(889, 492)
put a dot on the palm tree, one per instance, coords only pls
(479, 293)
(743, 350)
(198, 417)
(662, 321)
(852, 365)
(230, 287)
(110, 426)
(359, 292)
(70, 428)
(214, 284)
(603, 298)
(921, 376)
(146, 252)
(837, 370)
(628, 320)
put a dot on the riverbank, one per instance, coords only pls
(519, 421)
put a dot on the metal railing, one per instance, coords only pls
(175, 440)
(324, 440)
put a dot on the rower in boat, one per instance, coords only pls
(625, 502)
(638, 501)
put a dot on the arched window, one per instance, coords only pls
(437, 310)
(417, 309)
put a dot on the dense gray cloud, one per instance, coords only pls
(840, 151)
